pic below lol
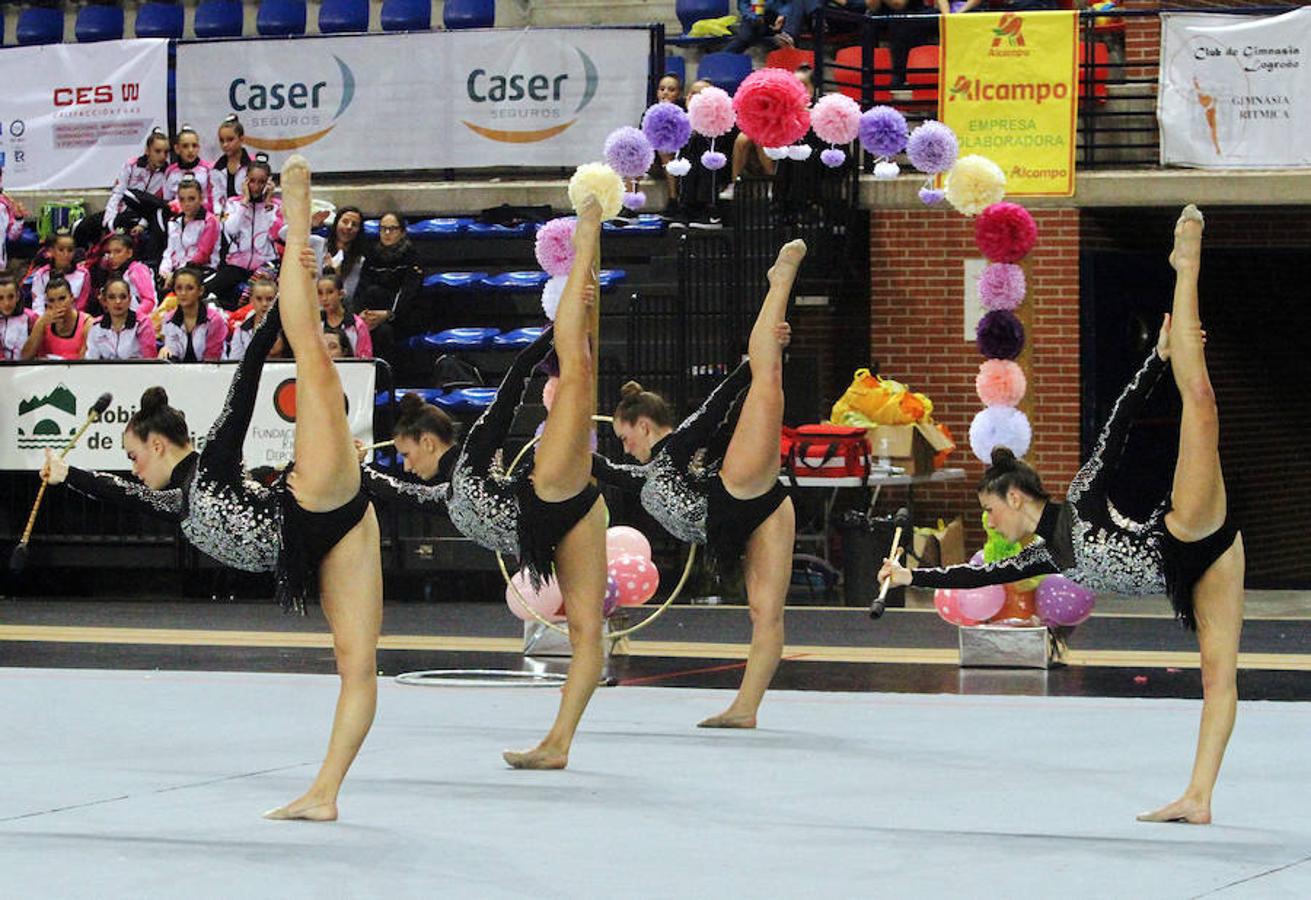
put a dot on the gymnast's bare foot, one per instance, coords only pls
(305, 809)
(1187, 253)
(789, 258)
(295, 184)
(729, 719)
(1184, 810)
(540, 757)
(589, 221)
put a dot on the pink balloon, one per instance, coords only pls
(611, 602)
(636, 577)
(981, 603)
(549, 602)
(624, 540)
(1063, 602)
(946, 600)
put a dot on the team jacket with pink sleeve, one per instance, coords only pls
(14, 331)
(192, 242)
(79, 281)
(206, 339)
(11, 229)
(135, 341)
(134, 176)
(141, 281)
(251, 229)
(199, 170)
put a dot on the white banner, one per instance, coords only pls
(460, 99)
(1235, 91)
(72, 114)
(49, 402)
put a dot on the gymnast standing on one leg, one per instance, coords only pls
(316, 517)
(1188, 546)
(730, 500)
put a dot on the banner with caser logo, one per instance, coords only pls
(458, 99)
(72, 114)
(48, 402)
(1008, 91)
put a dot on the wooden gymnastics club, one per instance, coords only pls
(18, 558)
(378, 446)
(901, 521)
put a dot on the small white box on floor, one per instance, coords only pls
(1005, 646)
(538, 640)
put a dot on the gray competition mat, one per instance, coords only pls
(150, 784)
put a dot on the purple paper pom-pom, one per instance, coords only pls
(1001, 286)
(628, 152)
(932, 148)
(714, 160)
(882, 131)
(666, 126)
(930, 196)
(634, 200)
(1000, 335)
(833, 157)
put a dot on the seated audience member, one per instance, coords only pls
(197, 330)
(119, 260)
(228, 178)
(62, 252)
(338, 344)
(695, 204)
(12, 214)
(344, 252)
(15, 323)
(61, 331)
(193, 235)
(336, 315)
(136, 202)
(120, 333)
(251, 226)
(389, 284)
(263, 291)
(188, 164)
(758, 23)
(748, 157)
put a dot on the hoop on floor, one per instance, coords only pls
(614, 635)
(480, 678)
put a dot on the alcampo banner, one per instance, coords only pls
(1008, 90)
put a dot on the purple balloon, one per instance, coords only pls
(977, 559)
(611, 602)
(1063, 602)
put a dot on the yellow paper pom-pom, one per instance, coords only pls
(974, 184)
(601, 181)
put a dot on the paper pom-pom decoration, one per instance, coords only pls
(714, 160)
(551, 292)
(601, 181)
(1001, 286)
(999, 426)
(666, 126)
(974, 184)
(932, 148)
(931, 196)
(772, 107)
(835, 119)
(1000, 382)
(886, 171)
(1000, 335)
(799, 152)
(1005, 232)
(554, 246)
(776, 153)
(832, 157)
(882, 131)
(634, 200)
(678, 167)
(628, 152)
(711, 112)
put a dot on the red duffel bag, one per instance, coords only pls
(825, 451)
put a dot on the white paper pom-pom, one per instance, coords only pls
(799, 152)
(776, 153)
(551, 292)
(886, 171)
(678, 167)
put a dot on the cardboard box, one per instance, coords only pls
(912, 447)
(944, 546)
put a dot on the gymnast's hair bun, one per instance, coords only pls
(153, 400)
(630, 390)
(411, 405)
(1003, 459)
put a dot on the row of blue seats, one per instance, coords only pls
(469, 399)
(226, 18)
(507, 281)
(476, 338)
(435, 229)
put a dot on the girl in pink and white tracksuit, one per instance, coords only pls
(196, 331)
(120, 333)
(263, 292)
(251, 225)
(118, 253)
(229, 170)
(193, 235)
(141, 176)
(12, 214)
(61, 249)
(187, 162)
(15, 324)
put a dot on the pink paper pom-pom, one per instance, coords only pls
(1005, 232)
(836, 119)
(554, 246)
(1001, 286)
(773, 107)
(1000, 382)
(711, 112)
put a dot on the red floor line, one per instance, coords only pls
(727, 667)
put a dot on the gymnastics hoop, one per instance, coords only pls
(614, 635)
(481, 678)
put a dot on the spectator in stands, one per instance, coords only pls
(345, 251)
(187, 162)
(901, 35)
(389, 284)
(336, 315)
(338, 344)
(62, 252)
(15, 323)
(250, 227)
(137, 195)
(748, 157)
(193, 235)
(958, 6)
(12, 214)
(758, 23)
(120, 333)
(229, 172)
(60, 332)
(196, 331)
(695, 206)
(668, 90)
(263, 291)
(119, 251)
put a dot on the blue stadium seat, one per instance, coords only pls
(690, 12)
(280, 18)
(608, 278)
(646, 223)
(429, 395)
(97, 22)
(516, 281)
(341, 16)
(40, 25)
(485, 230)
(724, 70)
(520, 337)
(454, 281)
(430, 229)
(460, 338)
(160, 20)
(469, 14)
(406, 15)
(678, 66)
(468, 399)
(219, 18)
(28, 242)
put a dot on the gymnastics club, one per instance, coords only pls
(902, 522)
(18, 559)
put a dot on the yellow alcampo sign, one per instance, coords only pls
(1008, 90)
